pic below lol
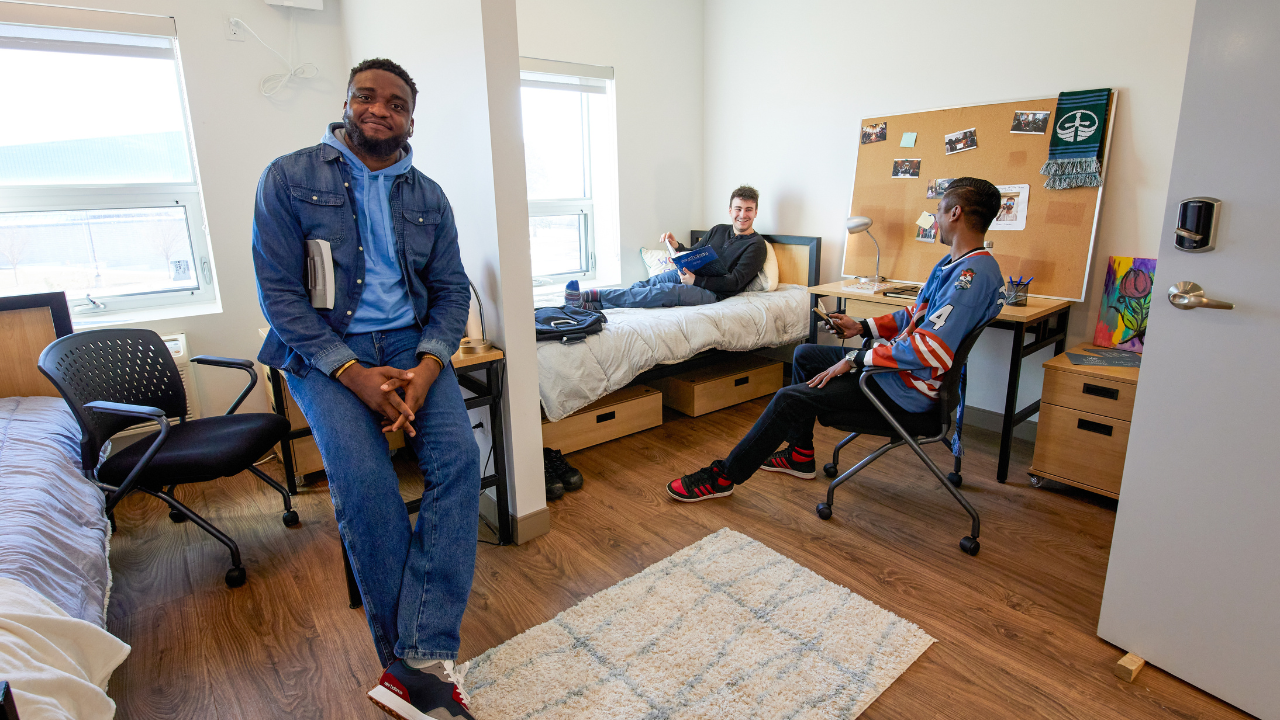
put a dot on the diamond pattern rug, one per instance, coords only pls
(725, 628)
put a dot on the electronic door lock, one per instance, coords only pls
(1197, 226)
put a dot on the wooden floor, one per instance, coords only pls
(1015, 625)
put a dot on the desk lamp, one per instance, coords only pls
(855, 225)
(473, 345)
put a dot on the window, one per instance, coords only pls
(98, 191)
(567, 117)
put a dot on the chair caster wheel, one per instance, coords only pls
(831, 470)
(290, 518)
(177, 517)
(236, 577)
(969, 545)
(824, 511)
(1037, 481)
(955, 479)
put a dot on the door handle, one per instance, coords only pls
(1187, 295)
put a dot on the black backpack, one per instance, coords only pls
(567, 324)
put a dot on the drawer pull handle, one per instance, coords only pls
(606, 417)
(742, 381)
(1094, 427)
(1102, 392)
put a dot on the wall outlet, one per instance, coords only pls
(234, 30)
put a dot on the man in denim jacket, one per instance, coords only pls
(378, 361)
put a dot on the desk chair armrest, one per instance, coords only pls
(233, 363)
(140, 411)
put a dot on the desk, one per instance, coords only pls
(1043, 319)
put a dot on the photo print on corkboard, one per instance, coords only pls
(875, 133)
(1030, 122)
(937, 188)
(906, 168)
(961, 141)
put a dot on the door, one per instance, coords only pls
(1193, 584)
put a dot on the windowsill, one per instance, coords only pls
(553, 295)
(142, 315)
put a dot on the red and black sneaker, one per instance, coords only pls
(432, 693)
(709, 482)
(792, 461)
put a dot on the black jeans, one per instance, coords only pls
(793, 410)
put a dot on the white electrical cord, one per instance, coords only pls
(272, 84)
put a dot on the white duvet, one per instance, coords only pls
(634, 340)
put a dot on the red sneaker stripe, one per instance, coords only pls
(678, 486)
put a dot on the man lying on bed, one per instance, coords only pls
(740, 253)
(963, 291)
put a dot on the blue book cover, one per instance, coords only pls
(693, 261)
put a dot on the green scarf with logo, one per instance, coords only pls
(1075, 147)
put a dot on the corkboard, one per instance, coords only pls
(1055, 248)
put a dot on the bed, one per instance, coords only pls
(54, 535)
(571, 377)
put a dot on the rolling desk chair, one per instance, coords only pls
(912, 430)
(117, 378)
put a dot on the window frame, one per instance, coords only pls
(583, 80)
(71, 197)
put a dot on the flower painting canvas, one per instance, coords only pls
(1126, 303)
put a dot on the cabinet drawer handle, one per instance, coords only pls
(1094, 427)
(606, 417)
(742, 381)
(1102, 392)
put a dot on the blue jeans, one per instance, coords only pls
(662, 290)
(415, 579)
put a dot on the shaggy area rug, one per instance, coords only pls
(725, 628)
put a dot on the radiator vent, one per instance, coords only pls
(177, 344)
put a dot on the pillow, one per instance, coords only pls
(656, 261)
(770, 269)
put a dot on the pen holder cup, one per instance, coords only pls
(1016, 294)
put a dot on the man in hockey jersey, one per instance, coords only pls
(963, 291)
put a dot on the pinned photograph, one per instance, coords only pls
(906, 168)
(961, 141)
(875, 133)
(1030, 122)
(1013, 208)
(927, 234)
(937, 188)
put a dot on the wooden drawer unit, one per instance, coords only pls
(626, 411)
(734, 380)
(1083, 432)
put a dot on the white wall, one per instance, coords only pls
(467, 137)
(237, 132)
(655, 48)
(786, 85)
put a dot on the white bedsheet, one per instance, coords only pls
(57, 665)
(634, 340)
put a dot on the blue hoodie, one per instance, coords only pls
(384, 303)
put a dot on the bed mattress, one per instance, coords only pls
(53, 528)
(572, 376)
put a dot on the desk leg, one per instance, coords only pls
(1011, 401)
(286, 446)
(494, 376)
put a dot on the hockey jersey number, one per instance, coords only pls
(940, 318)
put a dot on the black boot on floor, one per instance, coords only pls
(555, 488)
(568, 474)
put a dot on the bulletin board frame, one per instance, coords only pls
(1056, 246)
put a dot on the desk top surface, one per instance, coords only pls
(1035, 308)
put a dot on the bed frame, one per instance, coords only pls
(28, 323)
(799, 262)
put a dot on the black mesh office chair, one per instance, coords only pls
(114, 379)
(912, 430)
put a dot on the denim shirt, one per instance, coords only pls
(308, 195)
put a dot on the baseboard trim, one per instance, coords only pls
(994, 421)
(535, 524)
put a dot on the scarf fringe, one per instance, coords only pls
(1073, 173)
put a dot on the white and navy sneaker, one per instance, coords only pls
(432, 693)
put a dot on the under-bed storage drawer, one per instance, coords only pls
(729, 382)
(626, 411)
